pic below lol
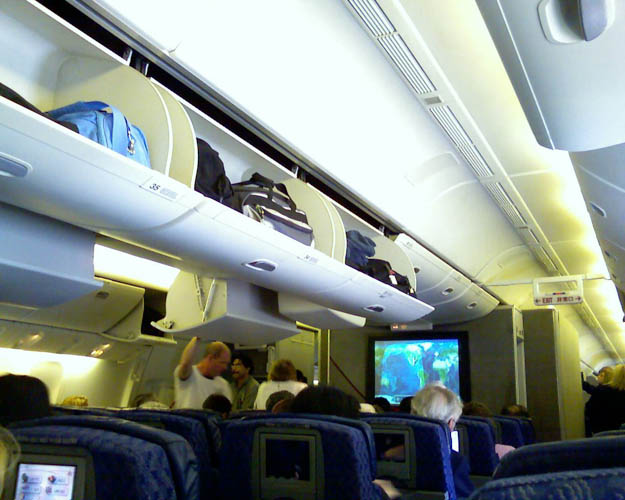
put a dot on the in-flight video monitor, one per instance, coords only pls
(400, 365)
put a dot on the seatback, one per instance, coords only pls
(582, 484)
(430, 450)
(579, 454)
(511, 431)
(77, 410)
(183, 463)
(527, 429)
(482, 457)
(124, 466)
(360, 425)
(191, 430)
(210, 421)
(345, 472)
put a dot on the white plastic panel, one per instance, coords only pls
(76, 180)
(43, 262)
(312, 314)
(568, 89)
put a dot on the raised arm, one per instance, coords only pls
(186, 360)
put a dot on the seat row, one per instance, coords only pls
(174, 454)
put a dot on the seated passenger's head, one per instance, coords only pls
(515, 411)
(242, 366)
(75, 401)
(215, 361)
(148, 401)
(404, 404)
(605, 375)
(301, 377)
(282, 370)
(218, 403)
(326, 400)
(382, 403)
(276, 397)
(437, 402)
(476, 409)
(23, 398)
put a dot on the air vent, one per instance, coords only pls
(500, 195)
(373, 17)
(406, 63)
(529, 235)
(472, 305)
(546, 260)
(475, 159)
(447, 291)
(450, 124)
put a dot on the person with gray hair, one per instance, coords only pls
(437, 402)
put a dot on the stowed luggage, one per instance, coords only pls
(269, 203)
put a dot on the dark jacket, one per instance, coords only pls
(460, 468)
(605, 409)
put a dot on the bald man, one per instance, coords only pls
(194, 383)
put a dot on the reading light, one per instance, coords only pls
(127, 268)
(99, 350)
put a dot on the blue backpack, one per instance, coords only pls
(112, 130)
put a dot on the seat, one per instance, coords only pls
(192, 430)
(427, 466)
(579, 454)
(511, 431)
(74, 410)
(604, 484)
(482, 456)
(124, 466)
(266, 456)
(183, 463)
(527, 429)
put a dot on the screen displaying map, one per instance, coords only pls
(402, 367)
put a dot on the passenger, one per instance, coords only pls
(276, 397)
(477, 409)
(148, 401)
(383, 403)
(603, 377)
(326, 400)
(79, 401)
(23, 398)
(438, 402)
(194, 383)
(244, 387)
(369, 408)
(301, 377)
(515, 411)
(284, 405)
(606, 406)
(218, 403)
(405, 404)
(282, 377)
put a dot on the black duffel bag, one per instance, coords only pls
(211, 179)
(269, 203)
(382, 271)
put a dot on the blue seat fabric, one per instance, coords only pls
(598, 484)
(182, 461)
(124, 466)
(527, 428)
(347, 468)
(482, 457)
(579, 454)
(192, 431)
(511, 431)
(434, 471)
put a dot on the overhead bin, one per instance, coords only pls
(227, 310)
(42, 261)
(567, 78)
(454, 297)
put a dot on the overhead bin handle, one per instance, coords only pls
(567, 21)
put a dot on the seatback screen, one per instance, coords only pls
(45, 481)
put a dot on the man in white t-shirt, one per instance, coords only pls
(194, 383)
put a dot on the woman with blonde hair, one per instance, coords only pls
(282, 377)
(606, 406)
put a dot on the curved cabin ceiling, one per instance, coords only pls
(481, 194)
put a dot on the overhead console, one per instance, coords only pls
(564, 61)
(50, 170)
